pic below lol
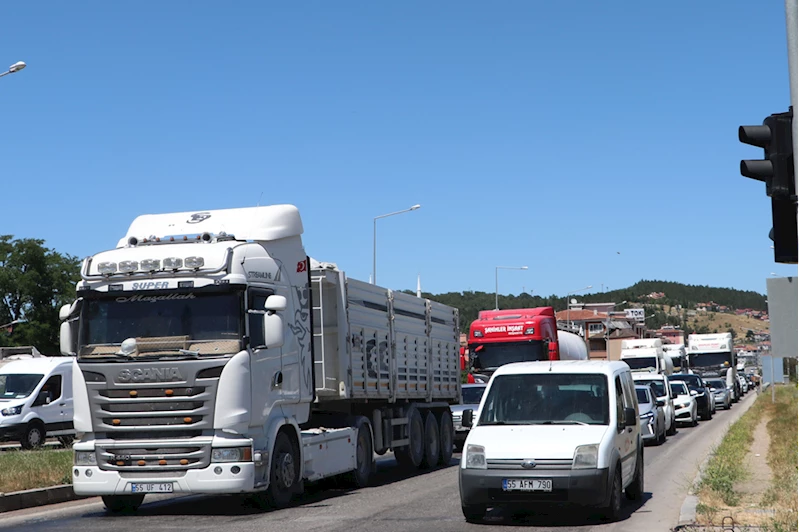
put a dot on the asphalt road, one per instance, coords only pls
(395, 503)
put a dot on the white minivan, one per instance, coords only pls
(551, 432)
(36, 401)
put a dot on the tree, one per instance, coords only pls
(35, 282)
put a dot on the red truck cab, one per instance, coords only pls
(499, 337)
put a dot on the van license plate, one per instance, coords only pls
(527, 484)
(162, 487)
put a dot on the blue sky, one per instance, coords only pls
(594, 142)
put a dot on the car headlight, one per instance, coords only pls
(585, 456)
(476, 457)
(85, 458)
(648, 416)
(232, 454)
(13, 411)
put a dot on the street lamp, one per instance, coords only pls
(496, 281)
(568, 306)
(374, 237)
(16, 67)
(15, 322)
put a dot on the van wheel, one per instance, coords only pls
(446, 435)
(432, 442)
(123, 503)
(410, 456)
(635, 491)
(473, 513)
(612, 512)
(33, 437)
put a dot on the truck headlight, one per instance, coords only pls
(232, 454)
(585, 456)
(13, 411)
(85, 458)
(476, 457)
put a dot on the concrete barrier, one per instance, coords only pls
(20, 500)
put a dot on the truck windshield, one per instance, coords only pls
(641, 362)
(547, 399)
(490, 356)
(704, 360)
(18, 385)
(182, 324)
(676, 361)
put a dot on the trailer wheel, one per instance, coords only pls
(283, 472)
(432, 442)
(410, 456)
(446, 435)
(364, 459)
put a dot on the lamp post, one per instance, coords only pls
(568, 306)
(374, 237)
(16, 67)
(496, 281)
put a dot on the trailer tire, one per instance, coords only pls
(432, 442)
(364, 458)
(410, 456)
(446, 433)
(284, 470)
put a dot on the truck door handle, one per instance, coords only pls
(61, 404)
(277, 381)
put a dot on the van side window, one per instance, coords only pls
(619, 401)
(627, 381)
(51, 390)
(256, 301)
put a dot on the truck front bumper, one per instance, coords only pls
(216, 478)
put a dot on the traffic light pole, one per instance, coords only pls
(790, 25)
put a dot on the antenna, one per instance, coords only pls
(259, 199)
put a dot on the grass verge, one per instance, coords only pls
(782, 458)
(727, 466)
(24, 470)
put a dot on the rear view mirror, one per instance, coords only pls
(467, 418)
(275, 303)
(661, 402)
(694, 392)
(630, 417)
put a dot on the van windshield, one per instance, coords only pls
(547, 399)
(18, 385)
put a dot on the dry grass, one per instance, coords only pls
(777, 511)
(719, 321)
(24, 470)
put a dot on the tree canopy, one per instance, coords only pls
(35, 282)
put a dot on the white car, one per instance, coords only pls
(684, 403)
(547, 432)
(744, 385)
(663, 393)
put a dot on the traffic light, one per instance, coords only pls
(776, 170)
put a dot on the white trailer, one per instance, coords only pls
(646, 355)
(677, 354)
(214, 356)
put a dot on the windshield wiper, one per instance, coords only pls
(564, 422)
(493, 423)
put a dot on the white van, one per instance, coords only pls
(36, 401)
(546, 432)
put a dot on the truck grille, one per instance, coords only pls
(146, 426)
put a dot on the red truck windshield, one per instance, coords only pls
(490, 356)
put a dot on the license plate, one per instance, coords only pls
(163, 487)
(527, 484)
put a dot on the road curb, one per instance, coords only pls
(19, 500)
(688, 508)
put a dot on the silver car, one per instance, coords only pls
(651, 417)
(471, 395)
(720, 391)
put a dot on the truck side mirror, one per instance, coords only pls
(67, 339)
(467, 418)
(63, 314)
(273, 323)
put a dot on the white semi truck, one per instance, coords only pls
(214, 356)
(713, 356)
